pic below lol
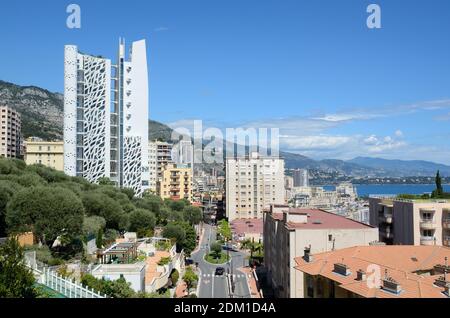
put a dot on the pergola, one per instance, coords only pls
(124, 253)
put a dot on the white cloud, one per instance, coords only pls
(315, 136)
(314, 142)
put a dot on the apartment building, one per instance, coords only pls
(377, 272)
(47, 153)
(106, 116)
(11, 143)
(411, 222)
(301, 178)
(161, 155)
(175, 183)
(152, 166)
(253, 183)
(289, 231)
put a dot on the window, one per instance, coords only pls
(310, 291)
(331, 288)
(330, 237)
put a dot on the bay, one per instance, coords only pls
(368, 189)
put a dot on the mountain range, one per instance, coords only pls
(42, 116)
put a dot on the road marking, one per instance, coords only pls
(212, 285)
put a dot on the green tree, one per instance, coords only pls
(439, 190)
(175, 232)
(190, 240)
(192, 214)
(47, 212)
(7, 190)
(174, 276)
(186, 236)
(48, 174)
(129, 192)
(176, 205)
(16, 280)
(141, 219)
(216, 249)
(100, 204)
(190, 278)
(224, 230)
(105, 181)
(92, 224)
(99, 238)
(119, 288)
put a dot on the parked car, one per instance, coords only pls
(220, 271)
(189, 261)
(229, 247)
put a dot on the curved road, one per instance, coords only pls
(212, 286)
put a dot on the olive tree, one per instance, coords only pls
(49, 212)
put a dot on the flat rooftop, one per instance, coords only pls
(247, 226)
(119, 268)
(320, 219)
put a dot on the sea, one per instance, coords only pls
(378, 189)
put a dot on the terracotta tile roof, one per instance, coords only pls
(402, 263)
(152, 265)
(278, 216)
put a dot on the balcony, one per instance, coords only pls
(386, 218)
(427, 224)
(427, 240)
(387, 234)
(446, 241)
(446, 224)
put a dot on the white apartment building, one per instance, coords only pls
(152, 166)
(159, 155)
(252, 184)
(289, 231)
(106, 116)
(411, 222)
(301, 178)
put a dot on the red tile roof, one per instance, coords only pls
(402, 263)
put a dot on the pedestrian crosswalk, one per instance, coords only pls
(212, 275)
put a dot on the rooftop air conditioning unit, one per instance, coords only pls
(342, 269)
(391, 285)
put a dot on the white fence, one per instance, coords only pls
(52, 280)
(66, 287)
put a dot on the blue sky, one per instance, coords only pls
(335, 88)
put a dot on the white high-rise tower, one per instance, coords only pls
(105, 128)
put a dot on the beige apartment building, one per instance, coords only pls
(11, 143)
(253, 183)
(389, 271)
(175, 182)
(290, 232)
(411, 222)
(47, 153)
